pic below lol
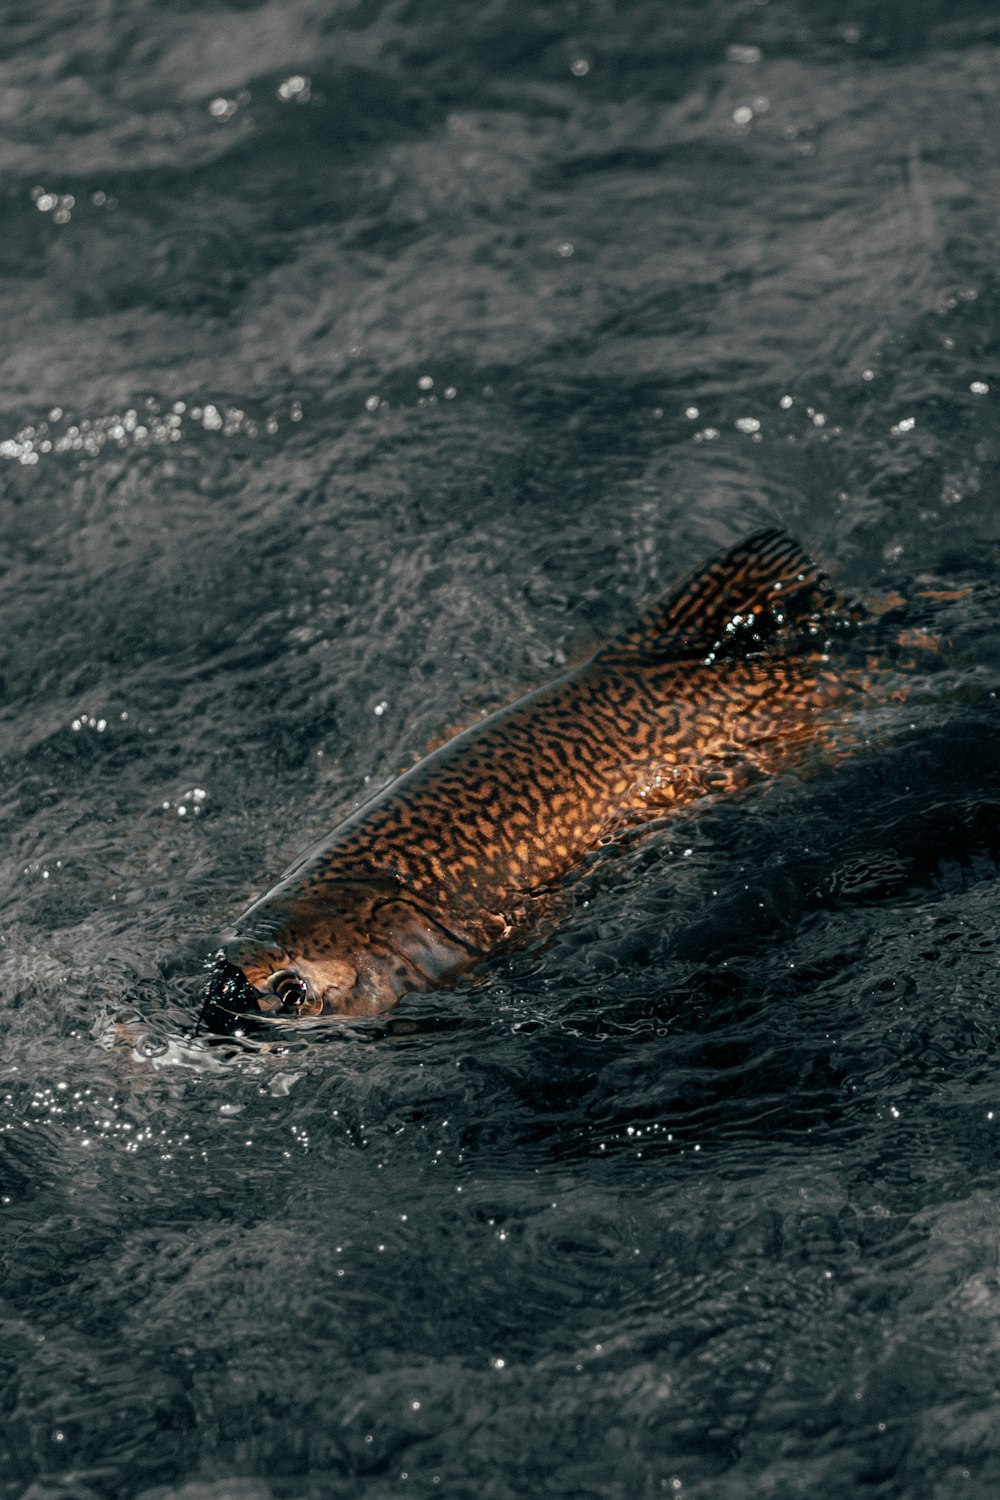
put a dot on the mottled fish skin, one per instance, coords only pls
(726, 680)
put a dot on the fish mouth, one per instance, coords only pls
(230, 1000)
(233, 1005)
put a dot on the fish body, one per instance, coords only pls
(724, 681)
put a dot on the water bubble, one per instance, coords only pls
(740, 53)
(905, 424)
(295, 89)
(691, 412)
(786, 402)
(426, 382)
(564, 250)
(162, 423)
(747, 424)
(742, 115)
(372, 403)
(579, 67)
(222, 109)
(979, 388)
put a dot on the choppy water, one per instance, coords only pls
(362, 363)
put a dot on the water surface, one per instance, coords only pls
(362, 365)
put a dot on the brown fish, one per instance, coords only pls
(726, 680)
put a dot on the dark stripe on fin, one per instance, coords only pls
(764, 591)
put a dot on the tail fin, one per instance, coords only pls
(763, 592)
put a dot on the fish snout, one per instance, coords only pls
(229, 999)
(232, 997)
(251, 983)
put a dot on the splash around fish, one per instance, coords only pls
(728, 679)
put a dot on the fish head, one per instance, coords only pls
(293, 982)
(350, 952)
(299, 981)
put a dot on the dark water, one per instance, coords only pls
(361, 364)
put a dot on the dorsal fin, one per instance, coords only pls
(762, 591)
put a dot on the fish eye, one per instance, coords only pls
(291, 989)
